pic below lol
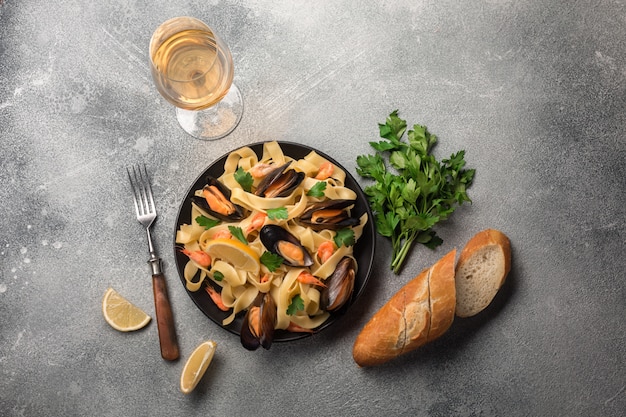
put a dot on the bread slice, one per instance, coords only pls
(483, 265)
(419, 312)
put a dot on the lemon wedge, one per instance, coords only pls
(236, 253)
(121, 314)
(196, 366)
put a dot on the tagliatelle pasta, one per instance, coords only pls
(240, 286)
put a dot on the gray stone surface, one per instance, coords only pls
(534, 91)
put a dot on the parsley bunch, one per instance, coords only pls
(421, 192)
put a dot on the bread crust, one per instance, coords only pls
(404, 322)
(442, 296)
(481, 240)
(388, 333)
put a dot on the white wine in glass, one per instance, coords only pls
(193, 69)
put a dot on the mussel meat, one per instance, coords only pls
(258, 325)
(339, 285)
(280, 242)
(216, 202)
(329, 214)
(279, 183)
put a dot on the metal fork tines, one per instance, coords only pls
(144, 207)
(146, 214)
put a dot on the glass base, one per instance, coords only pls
(216, 121)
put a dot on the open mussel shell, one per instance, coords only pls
(328, 214)
(259, 324)
(279, 183)
(216, 202)
(339, 286)
(282, 243)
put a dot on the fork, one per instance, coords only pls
(146, 215)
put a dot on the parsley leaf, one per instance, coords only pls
(344, 237)
(317, 190)
(271, 260)
(207, 222)
(244, 179)
(238, 233)
(422, 191)
(279, 213)
(297, 304)
(371, 166)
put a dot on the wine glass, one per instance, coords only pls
(193, 69)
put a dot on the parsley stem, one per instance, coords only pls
(401, 252)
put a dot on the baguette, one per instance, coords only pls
(421, 311)
(483, 265)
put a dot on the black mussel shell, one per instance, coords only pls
(279, 183)
(272, 235)
(258, 325)
(329, 214)
(249, 339)
(339, 285)
(238, 212)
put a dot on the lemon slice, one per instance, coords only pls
(196, 366)
(236, 253)
(121, 314)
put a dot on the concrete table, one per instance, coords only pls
(535, 92)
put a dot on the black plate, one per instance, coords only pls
(363, 250)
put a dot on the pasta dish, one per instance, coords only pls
(273, 236)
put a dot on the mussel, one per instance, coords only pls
(258, 325)
(279, 183)
(216, 202)
(339, 285)
(328, 214)
(280, 242)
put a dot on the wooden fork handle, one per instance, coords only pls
(165, 319)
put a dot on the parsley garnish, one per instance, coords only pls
(344, 237)
(297, 304)
(317, 190)
(218, 276)
(279, 213)
(238, 233)
(206, 222)
(424, 191)
(244, 179)
(271, 260)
